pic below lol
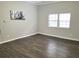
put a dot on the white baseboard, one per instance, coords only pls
(17, 38)
(60, 36)
(38, 33)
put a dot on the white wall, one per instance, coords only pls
(17, 28)
(11, 29)
(71, 7)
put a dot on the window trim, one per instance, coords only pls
(58, 21)
(53, 20)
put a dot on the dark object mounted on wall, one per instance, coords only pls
(16, 15)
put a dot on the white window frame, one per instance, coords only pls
(64, 19)
(56, 15)
(58, 21)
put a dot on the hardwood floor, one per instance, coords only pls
(40, 46)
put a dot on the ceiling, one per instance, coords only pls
(40, 2)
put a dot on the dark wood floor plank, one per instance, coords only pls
(40, 46)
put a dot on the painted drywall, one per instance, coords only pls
(60, 7)
(11, 29)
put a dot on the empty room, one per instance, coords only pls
(39, 29)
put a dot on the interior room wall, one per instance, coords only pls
(60, 7)
(11, 29)
(36, 20)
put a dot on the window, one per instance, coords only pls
(53, 20)
(64, 20)
(59, 20)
